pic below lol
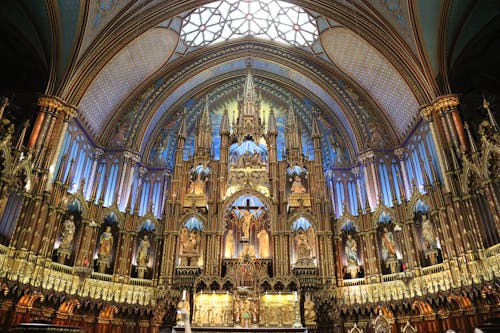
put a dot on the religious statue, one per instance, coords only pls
(248, 251)
(263, 237)
(194, 240)
(297, 187)
(309, 311)
(105, 244)
(246, 221)
(143, 251)
(428, 233)
(67, 233)
(183, 310)
(388, 248)
(351, 251)
(229, 253)
(302, 245)
(184, 239)
(197, 187)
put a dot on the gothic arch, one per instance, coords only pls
(265, 200)
(382, 209)
(113, 210)
(187, 216)
(469, 174)
(305, 214)
(343, 220)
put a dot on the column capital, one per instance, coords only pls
(366, 156)
(426, 112)
(55, 104)
(98, 152)
(445, 103)
(399, 152)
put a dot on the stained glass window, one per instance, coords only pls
(271, 19)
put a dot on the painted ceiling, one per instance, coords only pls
(130, 67)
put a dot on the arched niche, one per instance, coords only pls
(190, 242)
(389, 247)
(105, 250)
(69, 232)
(351, 245)
(428, 240)
(198, 176)
(247, 227)
(143, 258)
(297, 179)
(305, 252)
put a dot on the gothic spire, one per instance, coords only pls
(224, 126)
(181, 133)
(272, 128)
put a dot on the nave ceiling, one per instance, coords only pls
(124, 63)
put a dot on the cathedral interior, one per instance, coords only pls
(253, 165)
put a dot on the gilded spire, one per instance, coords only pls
(224, 126)
(181, 133)
(315, 128)
(249, 123)
(272, 128)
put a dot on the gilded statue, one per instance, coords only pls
(248, 251)
(229, 252)
(246, 220)
(302, 245)
(197, 187)
(143, 251)
(68, 233)
(297, 187)
(309, 311)
(105, 244)
(183, 310)
(263, 238)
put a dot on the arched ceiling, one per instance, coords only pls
(123, 65)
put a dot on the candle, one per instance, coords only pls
(184, 295)
(85, 262)
(295, 296)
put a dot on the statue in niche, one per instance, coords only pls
(297, 187)
(263, 237)
(388, 247)
(229, 253)
(309, 311)
(184, 239)
(248, 251)
(143, 251)
(68, 233)
(105, 244)
(351, 251)
(428, 233)
(183, 310)
(302, 245)
(247, 217)
(189, 246)
(197, 187)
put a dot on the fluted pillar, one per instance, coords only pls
(427, 114)
(69, 113)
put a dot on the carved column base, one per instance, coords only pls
(140, 271)
(102, 265)
(392, 264)
(62, 254)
